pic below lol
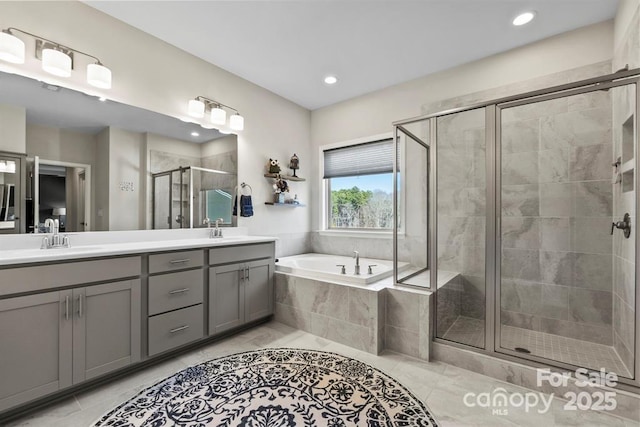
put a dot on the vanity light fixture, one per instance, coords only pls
(217, 114)
(523, 18)
(56, 59)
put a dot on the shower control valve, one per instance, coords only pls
(624, 225)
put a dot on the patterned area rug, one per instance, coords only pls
(275, 388)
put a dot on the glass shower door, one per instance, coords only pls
(566, 172)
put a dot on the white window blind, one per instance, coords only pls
(363, 159)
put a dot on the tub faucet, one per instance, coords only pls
(357, 257)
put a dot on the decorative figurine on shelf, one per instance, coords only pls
(282, 186)
(274, 167)
(294, 164)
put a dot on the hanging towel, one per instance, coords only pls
(246, 206)
(235, 206)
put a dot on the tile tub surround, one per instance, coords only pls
(440, 385)
(369, 318)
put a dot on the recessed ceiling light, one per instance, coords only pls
(194, 133)
(523, 18)
(331, 80)
(102, 99)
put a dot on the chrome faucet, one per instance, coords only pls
(357, 257)
(56, 240)
(216, 233)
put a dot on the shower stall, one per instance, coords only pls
(184, 197)
(528, 234)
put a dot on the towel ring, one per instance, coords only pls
(245, 185)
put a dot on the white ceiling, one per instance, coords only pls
(289, 46)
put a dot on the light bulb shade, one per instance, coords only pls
(196, 108)
(59, 211)
(56, 62)
(99, 76)
(11, 48)
(236, 122)
(218, 116)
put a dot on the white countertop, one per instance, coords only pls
(27, 256)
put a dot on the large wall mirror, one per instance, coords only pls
(98, 165)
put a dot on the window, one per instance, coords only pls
(359, 186)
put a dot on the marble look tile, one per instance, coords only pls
(402, 310)
(293, 317)
(591, 235)
(356, 336)
(425, 329)
(475, 201)
(556, 200)
(576, 128)
(555, 302)
(331, 300)
(588, 306)
(623, 351)
(553, 165)
(590, 163)
(580, 331)
(624, 280)
(520, 168)
(452, 202)
(587, 101)
(520, 320)
(520, 264)
(520, 200)
(592, 199)
(520, 233)
(472, 299)
(520, 136)
(454, 169)
(593, 271)
(402, 341)
(473, 260)
(49, 415)
(521, 296)
(448, 309)
(544, 110)
(557, 267)
(624, 321)
(363, 307)
(554, 234)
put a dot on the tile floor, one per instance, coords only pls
(555, 347)
(441, 386)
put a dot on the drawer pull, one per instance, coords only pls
(178, 291)
(179, 261)
(181, 328)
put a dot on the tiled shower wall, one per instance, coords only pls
(624, 294)
(556, 214)
(461, 221)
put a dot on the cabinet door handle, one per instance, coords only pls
(248, 277)
(242, 275)
(179, 261)
(66, 307)
(181, 328)
(179, 291)
(79, 305)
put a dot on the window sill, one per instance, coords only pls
(359, 234)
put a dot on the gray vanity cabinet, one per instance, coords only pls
(35, 346)
(226, 296)
(106, 328)
(53, 340)
(240, 293)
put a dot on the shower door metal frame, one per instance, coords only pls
(634, 380)
(492, 277)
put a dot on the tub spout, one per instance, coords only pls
(356, 255)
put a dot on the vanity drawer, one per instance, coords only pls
(241, 253)
(171, 330)
(175, 290)
(175, 261)
(42, 277)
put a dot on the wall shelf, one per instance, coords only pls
(285, 177)
(292, 205)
